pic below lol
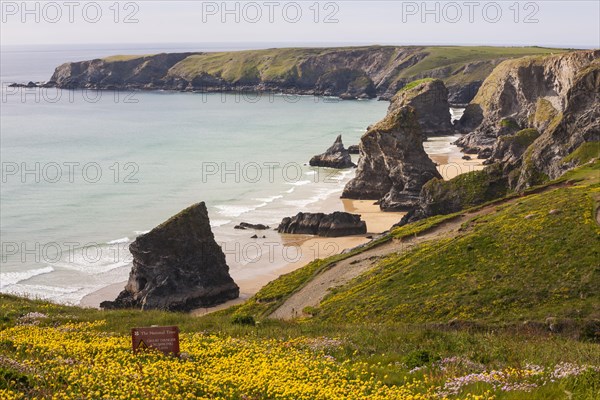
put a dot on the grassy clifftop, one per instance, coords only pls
(279, 64)
(348, 72)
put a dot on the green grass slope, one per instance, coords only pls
(531, 258)
(399, 331)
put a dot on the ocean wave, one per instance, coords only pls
(12, 278)
(90, 265)
(219, 222)
(64, 295)
(268, 199)
(298, 183)
(233, 210)
(321, 195)
(121, 240)
(341, 175)
(291, 190)
(137, 233)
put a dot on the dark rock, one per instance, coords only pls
(353, 149)
(347, 83)
(466, 190)
(335, 157)
(484, 153)
(246, 225)
(24, 85)
(393, 165)
(329, 225)
(254, 236)
(466, 157)
(177, 266)
(459, 95)
(429, 98)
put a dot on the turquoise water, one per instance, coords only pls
(65, 228)
(84, 172)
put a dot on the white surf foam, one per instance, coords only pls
(233, 210)
(298, 183)
(12, 278)
(219, 222)
(121, 240)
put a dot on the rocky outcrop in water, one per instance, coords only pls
(336, 156)
(246, 225)
(393, 165)
(328, 225)
(177, 266)
(346, 72)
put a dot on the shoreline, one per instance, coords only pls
(299, 250)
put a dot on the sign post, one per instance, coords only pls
(162, 338)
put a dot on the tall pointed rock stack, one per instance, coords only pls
(177, 266)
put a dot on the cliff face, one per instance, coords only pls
(429, 97)
(393, 165)
(535, 118)
(353, 72)
(177, 266)
(531, 113)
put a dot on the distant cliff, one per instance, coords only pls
(348, 72)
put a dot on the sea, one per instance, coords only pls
(85, 172)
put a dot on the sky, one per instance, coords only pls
(542, 23)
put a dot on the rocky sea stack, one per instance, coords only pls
(393, 165)
(429, 97)
(328, 225)
(177, 266)
(335, 157)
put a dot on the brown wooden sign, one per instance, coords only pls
(162, 338)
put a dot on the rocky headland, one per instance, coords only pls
(177, 266)
(345, 72)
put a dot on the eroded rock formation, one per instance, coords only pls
(336, 156)
(393, 165)
(531, 113)
(329, 225)
(177, 266)
(429, 97)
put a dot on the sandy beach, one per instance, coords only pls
(298, 250)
